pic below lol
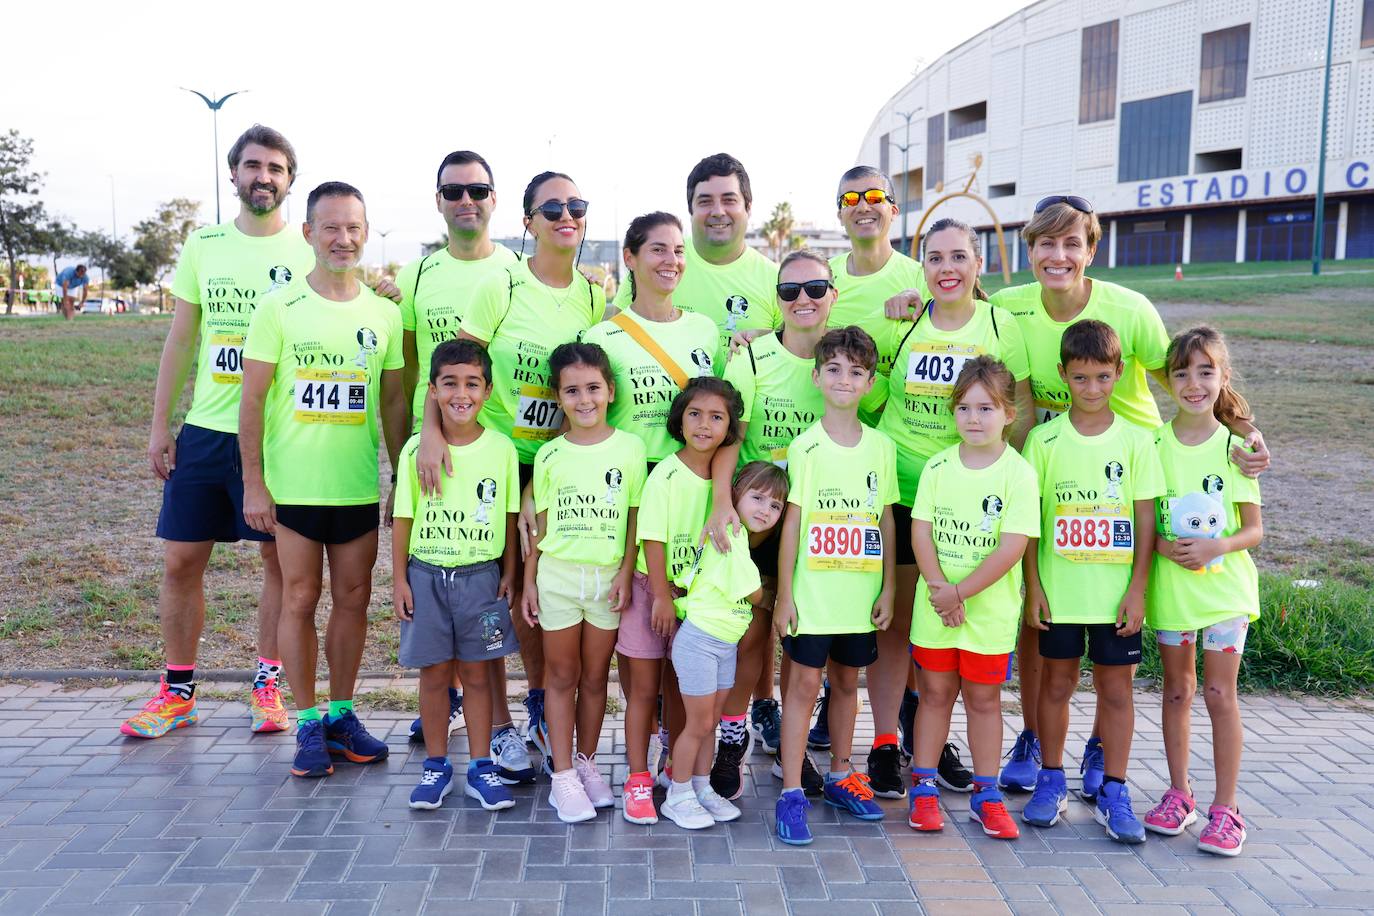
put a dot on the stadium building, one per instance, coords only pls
(1192, 126)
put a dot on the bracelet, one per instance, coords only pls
(393, 476)
(957, 595)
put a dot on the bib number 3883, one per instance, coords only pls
(537, 414)
(331, 396)
(1093, 534)
(844, 541)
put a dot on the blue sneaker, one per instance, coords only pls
(539, 737)
(1093, 768)
(819, 736)
(455, 714)
(790, 813)
(906, 724)
(345, 737)
(1050, 799)
(765, 718)
(436, 781)
(853, 795)
(312, 760)
(484, 783)
(1024, 764)
(513, 764)
(1114, 812)
(534, 706)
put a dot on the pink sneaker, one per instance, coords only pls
(1224, 834)
(592, 781)
(637, 801)
(1175, 811)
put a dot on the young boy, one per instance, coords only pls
(452, 594)
(1086, 576)
(836, 567)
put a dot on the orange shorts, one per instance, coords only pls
(980, 669)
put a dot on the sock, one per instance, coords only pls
(438, 763)
(834, 776)
(786, 790)
(732, 729)
(1107, 779)
(309, 714)
(475, 762)
(983, 783)
(886, 738)
(923, 780)
(269, 669)
(700, 782)
(681, 788)
(339, 707)
(181, 680)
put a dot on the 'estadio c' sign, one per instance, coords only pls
(1228, 186)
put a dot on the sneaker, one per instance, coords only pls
(539, 737)
(819, 736)
(1224, 834)
(952, 774)
(790, 819)
(664, 779)
(595, 786)
(455, 715)
(885, 771)
(1114, 812)
(813, 783)
(727, 772)
(988, 808)
(513, 764)
(906, 724)
(1175, 811)
(658, 753)
(1093, 769)
(1023, 764)
(436, 781)
(637, 801)
(925, 812)
(853, 795)
(569, 799)
(683, 809)
(269, 715)
(534, 707)
(312, 760)
(345, 737)
(1049, 800)
(164, 712)
(485, 784)
(720, 809)
(765, 718)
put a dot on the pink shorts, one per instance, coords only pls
(637, 638)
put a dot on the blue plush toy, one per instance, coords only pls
(1198, 515)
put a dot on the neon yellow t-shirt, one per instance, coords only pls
(435, 292)
(227, 273)
(672, 510)
(522, 321)
(588, 492)
(321, 428)
(926, 363)
(717, 601)
(1203, 491)
(841, 493)
(1088, 487)
(969, 511)
(1143, 345)
(466, 524)
(737, 296)
(643, 388)
(780, 399)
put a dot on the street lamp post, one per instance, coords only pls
(215, 105)
(1319, 216)
(384, 233)
(906, 171)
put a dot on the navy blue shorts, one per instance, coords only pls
(203, 499)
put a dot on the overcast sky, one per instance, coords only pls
(624, 97)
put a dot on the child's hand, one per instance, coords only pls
(1251, 463)
(432, 461)
(506, 589)
(785, 617)
(529, 604)
(1195, 553)
(1037, 609)
(954, 618)
(404, 601)
(662, 615)
(944, 597)
(1165, 547)
(527, 524)
(619, 594)
(1130, 615)
(719, 527)
(882, 610)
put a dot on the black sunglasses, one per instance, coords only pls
(551, 210)
(1078, 203)
(815, 289)
(452, 192)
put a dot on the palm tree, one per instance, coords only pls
(778, 231)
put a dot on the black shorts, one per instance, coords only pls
(765, 556)
(854, 650)
(1104, 646)
(203, 499)
(330, 524)
(901, 531)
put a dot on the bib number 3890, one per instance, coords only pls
(331, 396)
(849, 542)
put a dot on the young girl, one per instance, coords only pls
(587, 485)
(1203, 580)
(976, 507)
(717, 610)
(702, 418)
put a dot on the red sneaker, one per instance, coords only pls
(925, 813)
(989, 810)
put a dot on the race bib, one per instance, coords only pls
(537, 415)
(932, 368)
(1045, 411)
(337, 396)
(1093, 534)
(844, 541)
(226, 358)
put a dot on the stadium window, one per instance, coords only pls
(1222, 160)
(1155, 136)
(1367, 33)
(1097, 83)
(935, 150)
(968, 121)
(1225, 61)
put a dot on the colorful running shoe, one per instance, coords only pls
(853, 795)
(765, 719)
(1023, 764)
(790, 819)
(1093, 769)
(1224, 834)
(952, 774)
(269, 715)
(727, 772)
(1049, 801)
(513, 762)
(345, 737)
(1175, 811)
(885, 771)
(455, 718)
(637, 800)
(534, 707)
(164, 712)
(989, 809)
(312, 759)
(925, 811)
(906, 724)
(819, 735)
(436, 781)
(1115, 813)
(484, 783)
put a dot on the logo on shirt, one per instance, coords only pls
(736, 307)
(1115, 473)
(486, 498)
(992, 511)
(614, 479)
(367, 345)
(702, 360)
(1212, 485)
(280, 276)
(872, 489)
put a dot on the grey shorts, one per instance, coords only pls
(457, 615)
(703, 663)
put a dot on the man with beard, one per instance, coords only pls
(222, 273)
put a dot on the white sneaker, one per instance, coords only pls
(720, 808)
(664, 779)
(684, 810)
(569, 799)
(593, 785)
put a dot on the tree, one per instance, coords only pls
(125, 268)
(58, 239)
(778, 231)
(21, 213)
(157, 240)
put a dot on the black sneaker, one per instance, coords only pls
(727, 773)
(885, 772)
(906, 724)
(952, 773)
(819, 735)
(813, 783)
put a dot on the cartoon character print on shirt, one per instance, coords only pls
(736, 308)
(702, 360)
(486, 498)
(367, 346)
(872, 489)
(992, 511)
(1114, 472)
(614, 479)
(1199, 515)
(280, 276)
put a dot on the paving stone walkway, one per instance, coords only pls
(208, 821)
